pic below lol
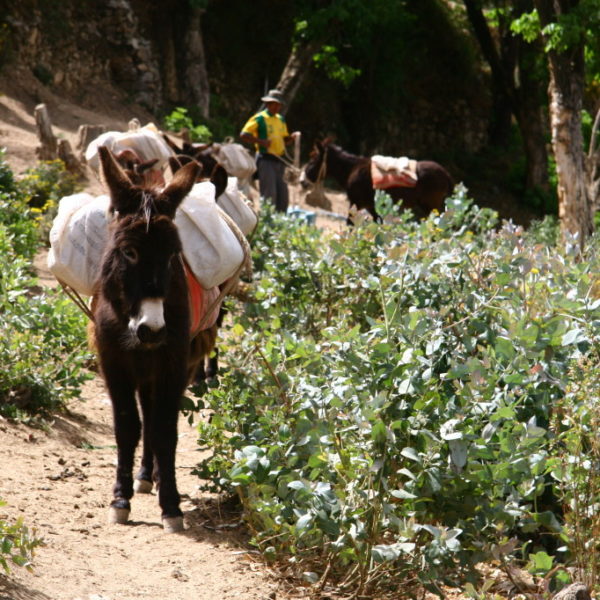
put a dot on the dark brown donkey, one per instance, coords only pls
(141, 331)
(353, 174)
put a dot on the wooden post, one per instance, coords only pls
(297, 150)
(296, 178)
(65, 153)
(48, 148)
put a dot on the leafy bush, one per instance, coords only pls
(19, 227)
(17, 544)
(179, 120)
(387, 411)
(41, 187)
(43, 348)
(576, 421)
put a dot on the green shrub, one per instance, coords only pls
(576, 421)
(20, 230)
(179, 120)
(41, 188)
(43, 346)
(386, 412)
(17, 544)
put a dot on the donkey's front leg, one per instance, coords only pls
(164, 443)
(127, 433)
(147, 473)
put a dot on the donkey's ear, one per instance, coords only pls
(197, 149)
(219, 180)
(181, 184)
(171, 144)
(145, 165)
(115, 179)
(188, 149)
(175, 164)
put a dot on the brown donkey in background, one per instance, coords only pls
(142, 333)
(353, 174)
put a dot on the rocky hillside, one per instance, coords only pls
(146, 54)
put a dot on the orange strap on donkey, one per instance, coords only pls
(201, 300)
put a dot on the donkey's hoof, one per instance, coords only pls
(119, 516)
(172, 524)
(142, 486)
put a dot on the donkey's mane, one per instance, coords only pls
(346, 156)
(147, 207)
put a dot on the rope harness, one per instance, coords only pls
(77, 299)
(316, 196)
(322, 169)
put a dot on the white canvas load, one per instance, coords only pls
(79, 235)
(237, 207)
(145, 141)
(235, 159)
(77, 239)
(210, 246)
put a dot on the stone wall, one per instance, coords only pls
(74, 47)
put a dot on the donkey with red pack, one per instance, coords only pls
(431, 186)
(141, 330)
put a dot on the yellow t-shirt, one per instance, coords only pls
(266, 126)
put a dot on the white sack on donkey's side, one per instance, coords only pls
(77, 240)
(145, 141)
(234, 204)
(235, 159)
(210, 247)
(79, 235)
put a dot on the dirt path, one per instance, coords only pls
(60, 483)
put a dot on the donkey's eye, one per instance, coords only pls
(130, 254)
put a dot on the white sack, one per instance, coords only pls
(235, 159)
(79, 235)
(210, 247)
(77, 240)
(237, 207)
(146, 142)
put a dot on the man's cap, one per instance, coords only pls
(273, 96)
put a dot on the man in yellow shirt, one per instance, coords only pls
(268, 132)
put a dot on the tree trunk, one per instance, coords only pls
(566, 101)
(298, 64)
(196, 73)
(502, 94)
(47, 150)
